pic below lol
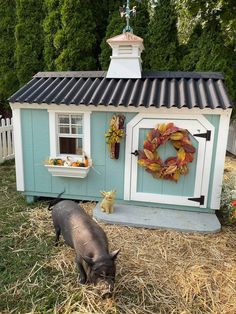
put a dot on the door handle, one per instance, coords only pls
(135, 153)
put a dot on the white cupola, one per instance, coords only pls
(126, 56)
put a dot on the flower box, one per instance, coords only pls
(68, 171)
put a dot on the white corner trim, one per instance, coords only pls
(52, 133)
(18, 149)
(128, 156)
(219, 161)
(87, 134)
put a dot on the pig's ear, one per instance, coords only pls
(114, 254)
(88, 260)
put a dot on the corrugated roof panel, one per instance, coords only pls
(77, 99)
(213, 99)
(51, 91)
(26, 90)
(110, 92)
(74, 90)
(31, 98)
(64, 91)
(225, 102)
(159, 89)
(125, 97)
(97, 93)
(71, 93)
(55, 90)
(202, 97)
(192, 93)
(182, 101)
(133, 93)
(87, 96)
(145, 94)
(115, 100)
(173, 99)
(163, 94)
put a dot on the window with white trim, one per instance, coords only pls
(69, 133)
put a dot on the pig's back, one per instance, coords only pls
(61, 216)
(79, 230)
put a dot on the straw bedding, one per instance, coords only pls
(157, 271)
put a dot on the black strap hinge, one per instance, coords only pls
(206, 135)
(135, 153)
(200, 199)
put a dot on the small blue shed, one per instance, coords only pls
(60, 114)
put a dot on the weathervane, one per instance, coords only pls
(126, 12)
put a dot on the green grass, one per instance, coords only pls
(21, 289)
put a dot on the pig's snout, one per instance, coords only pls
(105, 289)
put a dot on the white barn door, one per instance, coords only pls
(191, 189)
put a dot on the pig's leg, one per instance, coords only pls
(58, 232)
(83, 277)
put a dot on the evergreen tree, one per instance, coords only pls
(215, 49)
(190, 51)
(140, 22)
(8, 80)
(162, 39)
(140, 26)
(100, 12)
(76, 40)
(114, 28)
(51, 25)
(214, 54)
(29, 39)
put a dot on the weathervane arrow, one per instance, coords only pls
(126, 12)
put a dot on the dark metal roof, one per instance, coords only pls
(156, 89)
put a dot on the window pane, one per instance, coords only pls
(76, 119)
(63, 119)
(76, 129)
(70, 145)
(64, 130)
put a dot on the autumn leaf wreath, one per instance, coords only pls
(173, 167)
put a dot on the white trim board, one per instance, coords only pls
(151, 110)
(219, 161)
(17, 133)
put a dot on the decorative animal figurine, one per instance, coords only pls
(107, 204)
(68, 161)
(96, 265)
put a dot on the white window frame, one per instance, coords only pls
(54, 135)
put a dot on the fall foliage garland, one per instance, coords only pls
(172, 167)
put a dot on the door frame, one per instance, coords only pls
(128, 157)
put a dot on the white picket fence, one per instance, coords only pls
(6, 140)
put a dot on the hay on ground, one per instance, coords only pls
(157, 271)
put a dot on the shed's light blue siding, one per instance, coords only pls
(107, 174)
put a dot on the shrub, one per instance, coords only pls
(228, 200)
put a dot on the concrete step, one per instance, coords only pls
(155, 218)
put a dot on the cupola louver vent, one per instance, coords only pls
(125, 50)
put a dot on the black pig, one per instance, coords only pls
(81, 232)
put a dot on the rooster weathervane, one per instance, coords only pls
(126, 12)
